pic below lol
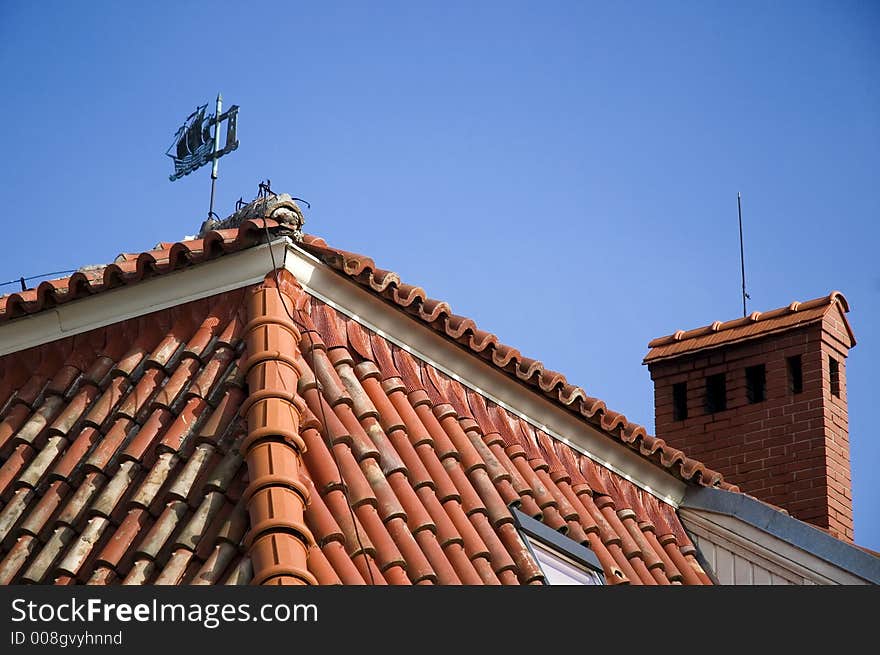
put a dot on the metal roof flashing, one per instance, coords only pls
(810, 539)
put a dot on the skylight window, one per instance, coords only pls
(562, 560)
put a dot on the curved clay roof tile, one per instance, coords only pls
(434, 313)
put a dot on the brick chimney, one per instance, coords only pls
(762, 399)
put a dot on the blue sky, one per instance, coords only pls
(564, 173)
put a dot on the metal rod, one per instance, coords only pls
(742, 258)
(211, 206)
(216, 162)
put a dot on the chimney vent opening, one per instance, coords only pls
(756, 382)
(716, 393)
(834, 375)
(795, 374)
(679, 401)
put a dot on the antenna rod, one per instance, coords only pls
(742, 258)
(216, 163)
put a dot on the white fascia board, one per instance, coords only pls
(421, 341)
(250, 266)
(225, 273)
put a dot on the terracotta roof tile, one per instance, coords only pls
(141, 461)
(755, 325)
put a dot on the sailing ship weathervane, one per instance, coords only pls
(194, 145)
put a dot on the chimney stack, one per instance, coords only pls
(762, 399)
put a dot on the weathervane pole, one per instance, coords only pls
(742, 258)
(216, 163)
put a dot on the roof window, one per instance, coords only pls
(562, 560)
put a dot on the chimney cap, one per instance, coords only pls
(757, 324)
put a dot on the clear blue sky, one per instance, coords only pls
(564, 173)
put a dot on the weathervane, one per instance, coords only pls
(194, 146)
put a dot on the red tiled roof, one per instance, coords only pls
(125, 454)
(155, 451)
(169, 257)
(757, 324)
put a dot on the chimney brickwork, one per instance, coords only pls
(782, 434)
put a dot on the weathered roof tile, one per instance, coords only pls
(409, 476)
